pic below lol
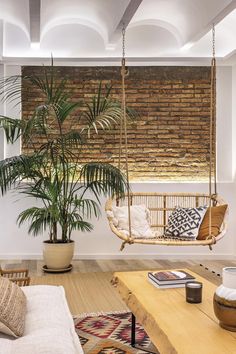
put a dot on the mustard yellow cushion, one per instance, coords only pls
(217, 217)
(12, 308)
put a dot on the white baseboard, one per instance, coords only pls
(20, 256)
(157, 256)
(169, 256)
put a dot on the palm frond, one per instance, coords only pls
(103, 178)
(87, 207)
(11, 89)
(41, 190)
(12, 128)
(71, 139)
(39, 218)
(102, 112)
(17, 168)
(63, 109)
(80, 225)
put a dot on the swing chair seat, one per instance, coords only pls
(160, 207)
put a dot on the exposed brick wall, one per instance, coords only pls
(170, 138)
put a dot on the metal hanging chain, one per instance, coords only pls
(213, 41)
(123, 42)
(123, 98)
(121, 121)
(212, 130)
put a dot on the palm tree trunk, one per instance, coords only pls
(54, 232)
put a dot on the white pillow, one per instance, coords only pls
(140, 221)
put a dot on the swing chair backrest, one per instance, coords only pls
(161, 205)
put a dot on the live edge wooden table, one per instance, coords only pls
(173, 325)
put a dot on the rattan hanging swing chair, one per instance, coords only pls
(161, 205)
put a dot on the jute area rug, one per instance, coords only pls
(110, 333)
(93, 291)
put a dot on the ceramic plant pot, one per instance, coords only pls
(58, 256)
(224, 300)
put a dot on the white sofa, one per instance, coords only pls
(49, 327)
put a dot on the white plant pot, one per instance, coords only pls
(58, 256)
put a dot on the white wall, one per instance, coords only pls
(224, 123)
(12, 110)
(1, 113)
(16, 243)
(234, 122)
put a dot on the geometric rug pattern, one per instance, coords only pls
(110, 333)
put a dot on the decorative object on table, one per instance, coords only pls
(193, 292)
(225, 300)
(56, 172)
(169, 279)
(110, 333)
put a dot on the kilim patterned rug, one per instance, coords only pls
(109, 333)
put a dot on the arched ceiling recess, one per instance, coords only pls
(101, 15)
(16, 40)
(66, 23)
(173, 30)
(16, 13)
(73, 40)
(190, 17)
(156, 41)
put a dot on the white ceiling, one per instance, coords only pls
(156, 29)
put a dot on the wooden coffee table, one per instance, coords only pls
(173, 325)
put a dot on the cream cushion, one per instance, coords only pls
(217, 218)
(12, 308)
(140, 221)
(49, 327)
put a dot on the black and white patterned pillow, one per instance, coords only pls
(184, 223)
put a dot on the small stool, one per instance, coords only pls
(18, 276)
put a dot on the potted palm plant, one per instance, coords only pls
(68, 191)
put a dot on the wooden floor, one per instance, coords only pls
(88, 266)
(88, 287)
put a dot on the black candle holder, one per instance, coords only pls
(193, 292)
